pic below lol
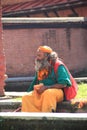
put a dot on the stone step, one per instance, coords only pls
(75, 106)
(12, 101)
(22, 83)
(10, 105)
(43, 121)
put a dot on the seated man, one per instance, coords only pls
(48, 86)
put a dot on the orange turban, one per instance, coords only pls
(46, 49)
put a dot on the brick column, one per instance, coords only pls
(2, 59)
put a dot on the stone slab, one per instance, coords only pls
(42, 121)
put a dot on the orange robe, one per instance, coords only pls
(45, 102)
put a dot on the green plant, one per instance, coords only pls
(82, 90)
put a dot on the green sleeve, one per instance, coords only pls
(32, 84)
(63, 76)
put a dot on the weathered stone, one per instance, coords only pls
(9, 105)
(43, 121)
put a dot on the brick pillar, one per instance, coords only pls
(2, 59)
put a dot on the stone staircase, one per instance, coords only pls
(67, 116)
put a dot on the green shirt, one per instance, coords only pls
(61, 77)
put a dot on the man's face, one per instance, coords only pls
(41, 61)
(40, 56)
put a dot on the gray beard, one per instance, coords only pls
(40, 64)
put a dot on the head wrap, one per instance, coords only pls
(46, 49)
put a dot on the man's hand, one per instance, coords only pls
(40, 88)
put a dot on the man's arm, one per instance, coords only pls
(57, 86)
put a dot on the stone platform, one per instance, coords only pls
(42, 121)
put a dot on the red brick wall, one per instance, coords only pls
(21, 45)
